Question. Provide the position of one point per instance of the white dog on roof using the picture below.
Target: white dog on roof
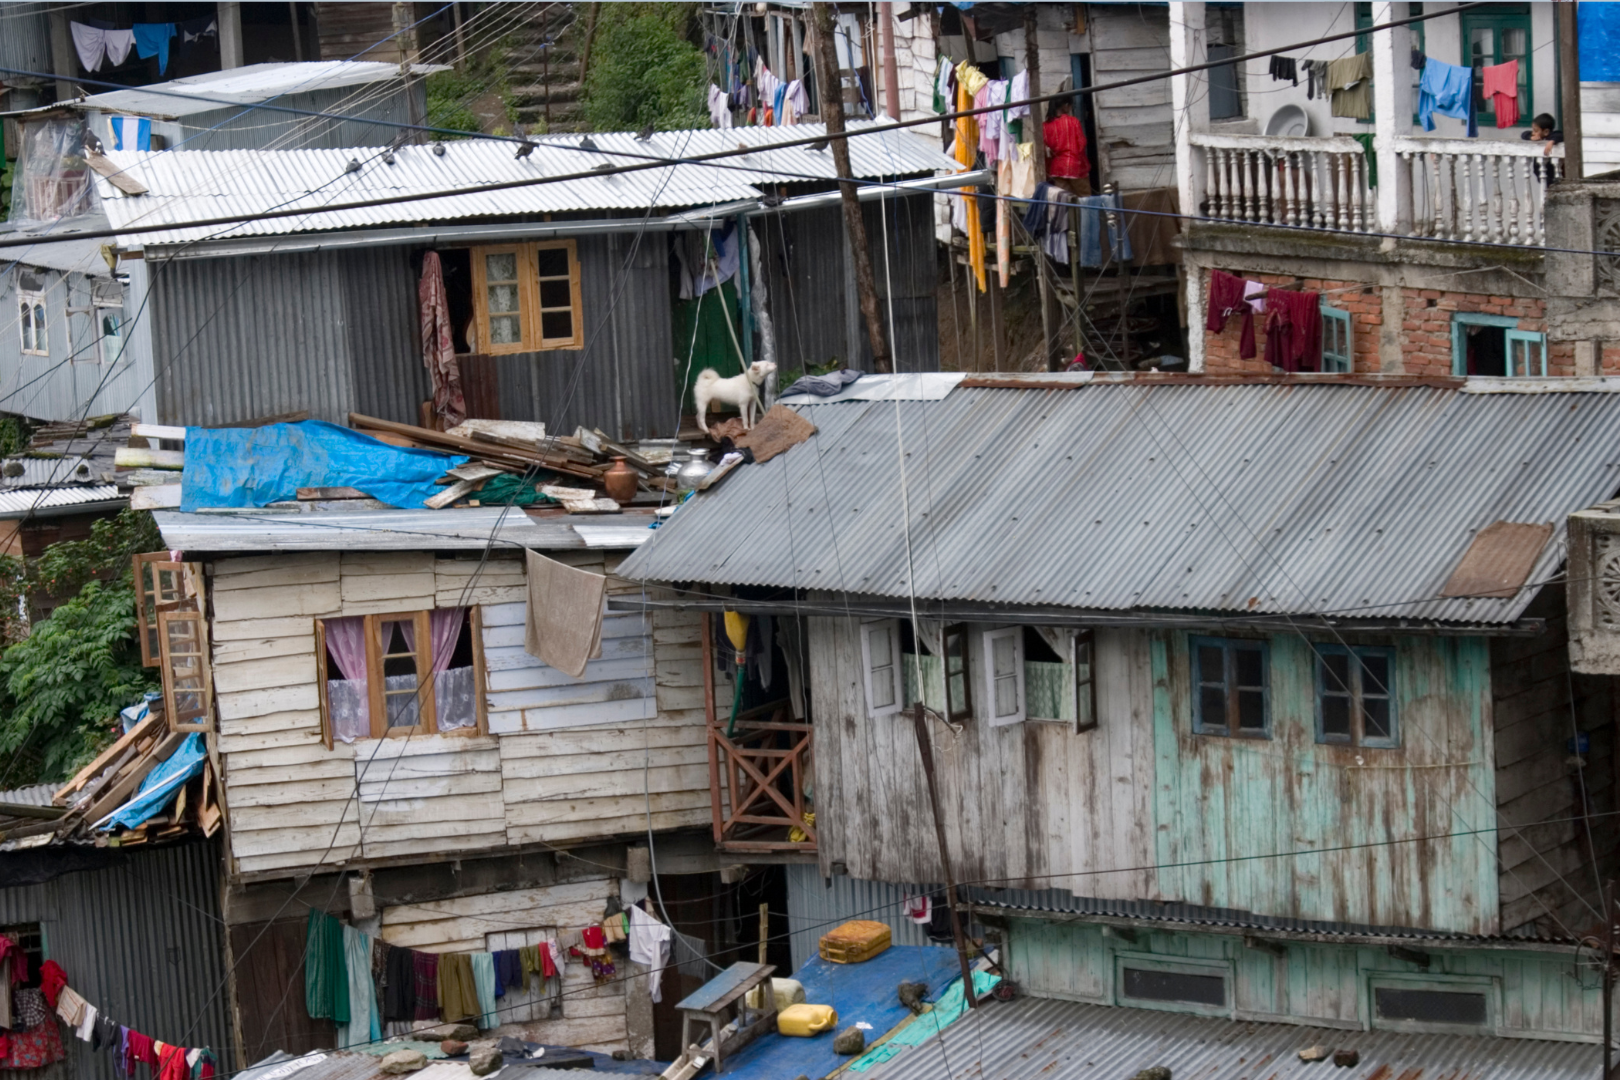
(739, 390)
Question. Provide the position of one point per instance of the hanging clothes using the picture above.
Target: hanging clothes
(795, 102)
(1501, 85)
(152, 39)
(171, 1062)
(649, 945)
(529, 957)
(425, 967)
(1066, 158)
(1294, 330)
(1284, 69)
(942, 85)
(1350, 82)
(482, 969)
(193, 31)
(1315, 78)
(438, 347)
(1226, 299)
(399, 986)
(719, 107)
(1446, 89)
(138, 1049)
(1004, 222)
(130, 132)
(33, 1048)
(364, 1025)
(90, 43)
(1365, 138)
(1097, 231)
(326, 972)
(51, 980)
(967, 137)
(458, 998)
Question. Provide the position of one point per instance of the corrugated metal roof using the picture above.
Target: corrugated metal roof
(467, 529)
(187, 185)
(1058, 1040)
(38, 795)
(31, 501)
(1144, 495)
(36, 472)
(244, 86)
(55, 253)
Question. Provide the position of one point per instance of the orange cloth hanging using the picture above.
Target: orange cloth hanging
(967, 143)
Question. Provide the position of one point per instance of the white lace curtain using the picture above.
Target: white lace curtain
(348, 697)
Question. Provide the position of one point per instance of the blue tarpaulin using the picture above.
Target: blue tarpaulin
(1598, 37)
(160, 785)
(258, 466)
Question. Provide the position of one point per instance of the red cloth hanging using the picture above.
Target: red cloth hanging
(438, 350)
(51, 980)
(1501, 83)
(10, 950)
(1226, 300)
(172, 1063)
(1294, 330)
(141, 1049)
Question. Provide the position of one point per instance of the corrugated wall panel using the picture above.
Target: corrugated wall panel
(25, 43)
(379, 288)
(241, 337)
(70, 382)
(623, 381)
(239, 128)
(804, 257)
(142, 941)
(814, 907)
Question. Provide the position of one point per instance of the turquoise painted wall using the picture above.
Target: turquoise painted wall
(1216, 798)
(1538, 993)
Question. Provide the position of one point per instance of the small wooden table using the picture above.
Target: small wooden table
(716, 1001)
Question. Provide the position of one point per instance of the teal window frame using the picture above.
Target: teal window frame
(1533, 343)
(1496, 20)
(1335, 332)
(1159, 964)
(1509, 324)
(1355, 694)
(1230, 725)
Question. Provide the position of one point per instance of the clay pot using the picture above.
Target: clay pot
(620, 481)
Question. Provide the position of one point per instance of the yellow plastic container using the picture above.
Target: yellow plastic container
(806, 1020)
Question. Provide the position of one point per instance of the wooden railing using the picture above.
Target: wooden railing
(759, 772)
(1307, 183)
(1472, 189)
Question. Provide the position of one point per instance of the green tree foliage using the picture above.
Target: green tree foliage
(62, 685)
(645, 70)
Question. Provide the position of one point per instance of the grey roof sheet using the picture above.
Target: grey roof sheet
(248, 85)
(187, 185)
(463, 529)
(29, 501)
(1062, 1040)
(62, 252)
(1151, 495)
(36, 795)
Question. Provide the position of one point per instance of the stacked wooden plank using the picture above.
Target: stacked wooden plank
(114, 777)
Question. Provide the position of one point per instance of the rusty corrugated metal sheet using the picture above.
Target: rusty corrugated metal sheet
(142, 940)
(1060, 1040)
(1120, 495)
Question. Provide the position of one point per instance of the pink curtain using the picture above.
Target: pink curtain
(444, 625)
(438, 348)
(346, 641)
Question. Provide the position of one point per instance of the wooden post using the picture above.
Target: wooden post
(831, 88)
(925, 748)
(1032, 63)
(764, 931)
(1569, 88)
(298, 39)
(891, 69)
(1074, 282)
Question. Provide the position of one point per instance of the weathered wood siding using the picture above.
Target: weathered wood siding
(1038, 806)
(1547, 875)
(1136, 146)
(593, 1017)
(565, 759)
(1539, 994)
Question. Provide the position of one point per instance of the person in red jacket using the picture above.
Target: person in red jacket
(1066, 164)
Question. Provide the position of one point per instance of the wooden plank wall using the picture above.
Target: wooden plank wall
(1136, 145)
(1039, 806)
(593, 1017)
(565, 761)
(1547, 873)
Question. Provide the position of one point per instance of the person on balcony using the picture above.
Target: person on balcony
(1066, 162)
(1543, 129)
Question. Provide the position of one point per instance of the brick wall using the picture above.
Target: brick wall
(1425, 328)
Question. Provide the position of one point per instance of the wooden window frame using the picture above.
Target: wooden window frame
(957, 711)
(988, 644)
(30, 299)
(890, 628)
(1343, 362)
(165, 620)
(150, 601)
(1085, 693)
(1356, 693)
(1229, 726)
(428, 715)
(529, 310)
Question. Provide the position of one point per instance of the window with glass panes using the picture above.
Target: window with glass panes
(1355, 695)
(527, 297)
(1231, 687)
(1495, 36)
(1336, 354)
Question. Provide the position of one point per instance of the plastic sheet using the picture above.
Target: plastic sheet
(243, 467)
(160, 785)
(52, 180)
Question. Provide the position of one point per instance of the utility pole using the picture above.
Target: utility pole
(830, 88)
(1569, 89)
(925, 748)
(1037, 136)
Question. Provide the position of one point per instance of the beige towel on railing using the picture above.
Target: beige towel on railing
(563, 625)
